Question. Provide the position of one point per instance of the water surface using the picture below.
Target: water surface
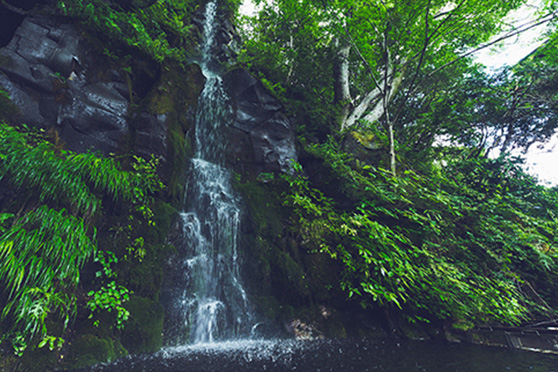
(336, 356)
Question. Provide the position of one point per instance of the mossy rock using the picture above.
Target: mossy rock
(267, 306)
(413, 331)
(164, 215)
(177, 86)
(7, 108)
(323, 279)
(33, 360)
(143, 331)
(8, 362)
(175, 98)
(289, 279)
(334, 328)
(274, 265)
(179, 150)
(361, 324)
(264, 208)
(145, 278)
(87, 350)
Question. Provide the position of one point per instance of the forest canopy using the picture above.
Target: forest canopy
(400, 67)
(417, 195)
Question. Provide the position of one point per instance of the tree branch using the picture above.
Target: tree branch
(542, 21)
(421, 57)
(13, 8)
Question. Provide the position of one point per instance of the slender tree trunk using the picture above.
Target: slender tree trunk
(341, 90)
(391, 145)
(509, 136)
(389, 124)
(386, 96)
(372, 107)
(376, 113)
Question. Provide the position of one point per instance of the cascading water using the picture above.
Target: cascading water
(210, 303)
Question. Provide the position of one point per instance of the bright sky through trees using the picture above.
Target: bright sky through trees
(541, 160)
(512, 50)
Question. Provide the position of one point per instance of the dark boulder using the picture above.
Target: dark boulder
(263, 135)
(57, 82)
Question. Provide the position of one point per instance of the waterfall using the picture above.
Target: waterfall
(209, 302)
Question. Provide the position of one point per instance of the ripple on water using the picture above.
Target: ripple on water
(334, 356)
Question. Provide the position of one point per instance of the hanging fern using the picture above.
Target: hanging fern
(64, 178)
(48, 199)
(41, 254)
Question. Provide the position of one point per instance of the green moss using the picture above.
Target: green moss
(334, 328)
(179, 150)
(289, 277)
(38, 360)
(145, 278)
(463, 325)
(89, 349)
(367, 139)
(413, 331)
(163, 216)
(177, 87)
(143, 331)
(267, 306)
(8, 362)
(104, 329)
(286, 312)
(264, 208)
(7, 108)
(175, 96)
(362, 325)
(323, 280)
(162, 102)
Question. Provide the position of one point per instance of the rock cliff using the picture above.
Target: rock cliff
(61, 81)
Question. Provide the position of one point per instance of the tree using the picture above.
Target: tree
(512, 109)
(375, 50)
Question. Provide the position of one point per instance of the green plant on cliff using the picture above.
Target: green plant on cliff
(160, 29)
(110, 298)
(475, 247)
(50, 201)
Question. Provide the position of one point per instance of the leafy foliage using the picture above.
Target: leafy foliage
(110, 298)
(53, 196)
(454, 234)
(393, 48)
(463, 247)
(512, 109)
(160, 29)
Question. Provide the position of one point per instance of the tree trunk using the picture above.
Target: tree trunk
(341, 90)
(389, 86)
(371, 107)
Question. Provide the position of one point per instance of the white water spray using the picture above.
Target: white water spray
(213, 304)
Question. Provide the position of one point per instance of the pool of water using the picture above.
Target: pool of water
(335, 355)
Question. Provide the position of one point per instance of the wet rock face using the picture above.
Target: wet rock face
(57, 82)
(262, 135)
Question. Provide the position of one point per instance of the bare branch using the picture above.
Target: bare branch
(522, 29)
(13, 8)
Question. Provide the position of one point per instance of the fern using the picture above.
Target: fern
(50, 196)
(160, 30)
